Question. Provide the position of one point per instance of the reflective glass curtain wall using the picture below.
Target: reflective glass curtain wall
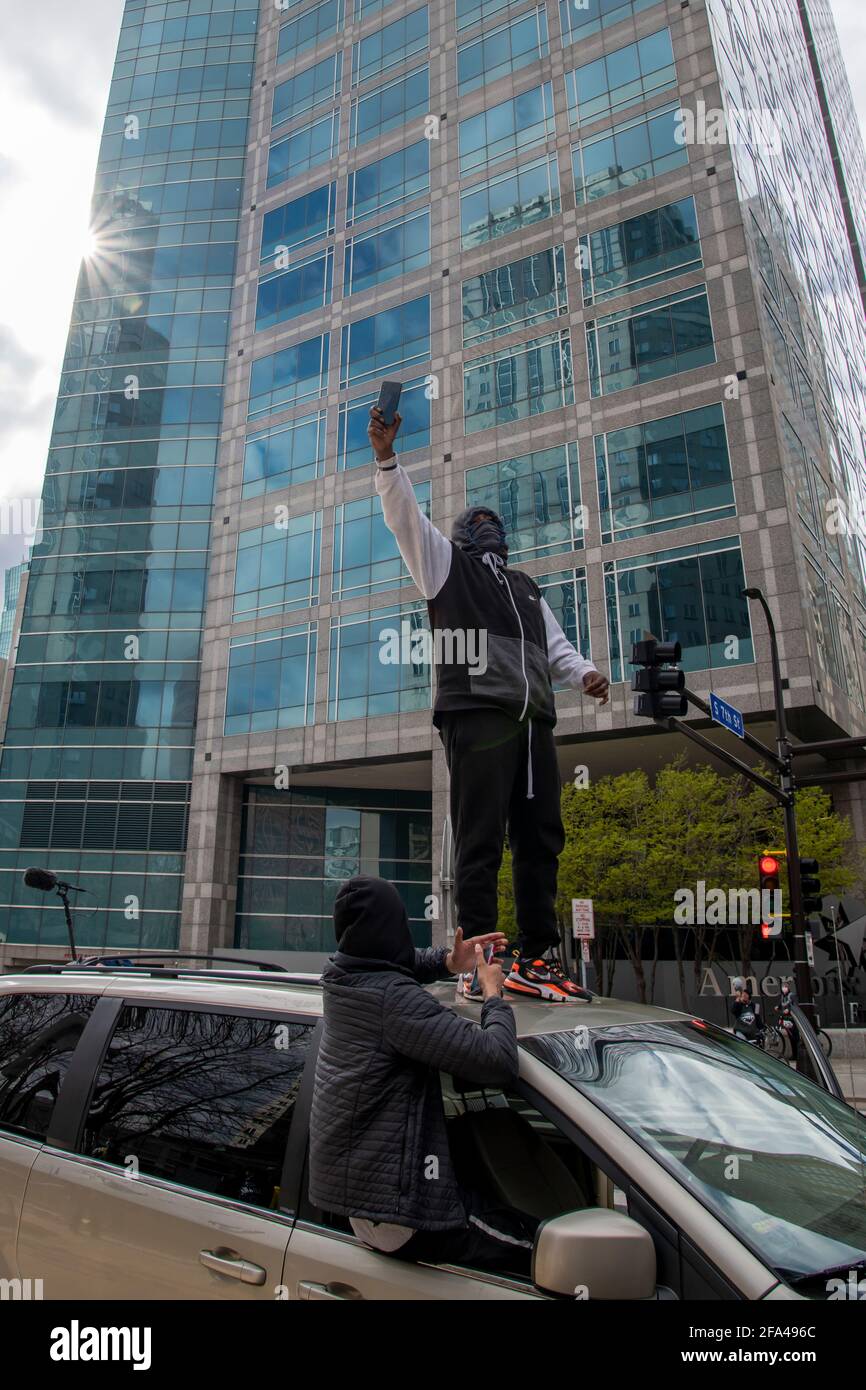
(812, 303)
(97, 762)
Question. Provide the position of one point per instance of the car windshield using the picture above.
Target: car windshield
(780, 1161)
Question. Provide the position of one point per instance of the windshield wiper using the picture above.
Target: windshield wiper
(848, 1268)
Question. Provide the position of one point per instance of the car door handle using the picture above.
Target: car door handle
(230, 1264)
(329, 1291)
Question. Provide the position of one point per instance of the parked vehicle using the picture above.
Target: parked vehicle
(154, 1130)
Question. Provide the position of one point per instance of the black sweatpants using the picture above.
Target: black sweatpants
(494, 1237)
(488, 760)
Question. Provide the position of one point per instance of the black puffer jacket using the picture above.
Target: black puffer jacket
(378, 1120)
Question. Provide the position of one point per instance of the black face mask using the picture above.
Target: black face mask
(487, 535)
(479, 536)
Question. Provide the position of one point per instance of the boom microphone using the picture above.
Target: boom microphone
(46, 881)
(40, 878)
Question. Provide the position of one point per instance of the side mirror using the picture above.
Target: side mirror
(601, 1252)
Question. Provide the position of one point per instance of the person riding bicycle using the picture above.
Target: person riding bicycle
(748, 1023)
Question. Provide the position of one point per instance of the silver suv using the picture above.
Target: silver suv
(154, 1127)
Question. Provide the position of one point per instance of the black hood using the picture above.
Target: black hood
(370, 923)
(492, 537)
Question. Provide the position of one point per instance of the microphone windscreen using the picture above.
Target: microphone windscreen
(40, 878)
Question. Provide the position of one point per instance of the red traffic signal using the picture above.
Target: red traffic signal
(769, 869)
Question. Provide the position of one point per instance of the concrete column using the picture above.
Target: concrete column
(849, 799)
(213, 848)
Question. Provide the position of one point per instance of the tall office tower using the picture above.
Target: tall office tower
(840, 122)
(10, 596)
(10, 590)
(97, 760)
(603, 245)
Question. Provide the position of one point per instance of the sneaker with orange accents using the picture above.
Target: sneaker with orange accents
(470, 987)
(535, 978)
(575, 991)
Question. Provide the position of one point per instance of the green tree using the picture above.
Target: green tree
(631, 843)
(822, 833)
(505, 896)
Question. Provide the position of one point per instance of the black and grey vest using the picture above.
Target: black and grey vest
(489, 641)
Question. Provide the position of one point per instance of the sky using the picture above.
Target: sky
(55, 68)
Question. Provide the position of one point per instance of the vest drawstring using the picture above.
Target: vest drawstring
(494, 563)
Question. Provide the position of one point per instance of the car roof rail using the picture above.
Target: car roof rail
(122, 957)
(146, 963)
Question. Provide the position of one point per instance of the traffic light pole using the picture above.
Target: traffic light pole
(676, 725)
(659, 687)
(784, 761)
(663, 696)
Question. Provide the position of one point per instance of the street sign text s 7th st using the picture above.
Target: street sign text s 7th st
(727, 716)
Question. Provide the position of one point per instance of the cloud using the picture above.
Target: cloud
(38, 41)
(55, 69)
(850, 17)
(10, 171)
(15, 361)
(26, 410)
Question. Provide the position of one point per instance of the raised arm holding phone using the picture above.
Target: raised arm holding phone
(495, 714)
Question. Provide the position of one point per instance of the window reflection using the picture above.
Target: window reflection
(694, 1096)
(201, 1099)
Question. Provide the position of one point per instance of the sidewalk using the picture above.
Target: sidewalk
(853, 1087)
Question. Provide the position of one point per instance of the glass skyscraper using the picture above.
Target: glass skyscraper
(97, 761)
(11, 590)
(610, 247)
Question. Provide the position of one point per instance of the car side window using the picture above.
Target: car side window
(38, 1035)
(504, 1149)
(198, 1098)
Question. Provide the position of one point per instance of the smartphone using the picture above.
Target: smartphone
(389, 399)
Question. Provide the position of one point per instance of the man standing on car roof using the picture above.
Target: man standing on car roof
(495, 716)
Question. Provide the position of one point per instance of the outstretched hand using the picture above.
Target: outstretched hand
(461, 958)
(598, 686)
(382, 436)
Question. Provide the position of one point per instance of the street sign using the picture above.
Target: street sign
(810, 947)
(583, 919)
(584, 951)
(727, 716)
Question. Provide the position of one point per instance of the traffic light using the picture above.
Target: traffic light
(810, 886)
(768, 877)
(768, 873)
(659, 684)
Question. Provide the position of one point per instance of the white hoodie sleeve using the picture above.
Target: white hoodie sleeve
(425, 551)
(567, 666)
